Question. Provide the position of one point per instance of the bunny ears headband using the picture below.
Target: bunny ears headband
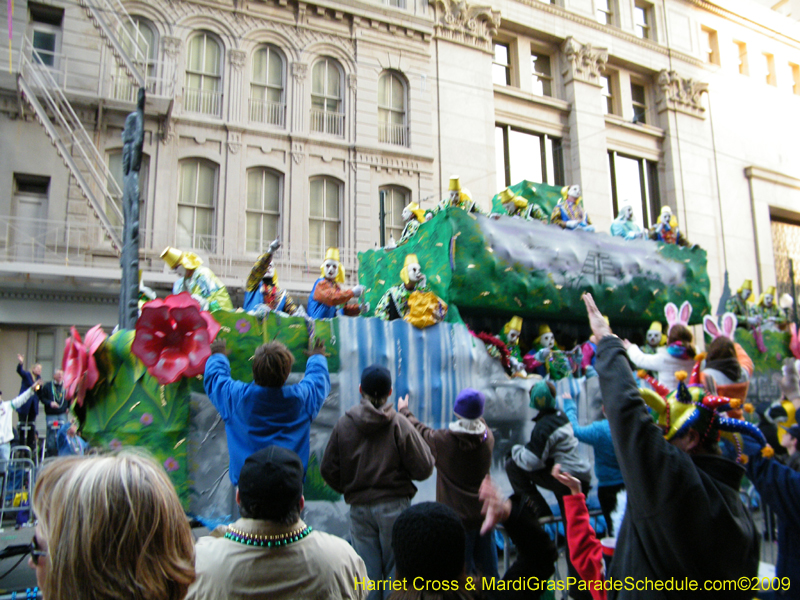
(675, 317)
(728, 326)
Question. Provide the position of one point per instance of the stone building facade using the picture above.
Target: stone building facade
(318, 122)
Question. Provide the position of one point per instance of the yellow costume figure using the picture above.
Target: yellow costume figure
(199, 281)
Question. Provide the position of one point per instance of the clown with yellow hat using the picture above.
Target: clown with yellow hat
(411, 299)
(569, 212)
(328, 295)
(457, 197)
(654, 338)
(264, 295)
(738, 305)
(773, 318)
(545, 358)
(519, 207)
(666, 229)
(413, 216)
(199, 281)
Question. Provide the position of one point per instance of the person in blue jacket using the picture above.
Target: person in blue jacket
(606, 467)
(779, 487)
(267, 412)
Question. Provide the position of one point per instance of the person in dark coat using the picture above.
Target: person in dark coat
(685, 519)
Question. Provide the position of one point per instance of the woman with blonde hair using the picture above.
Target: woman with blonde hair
(110, 527)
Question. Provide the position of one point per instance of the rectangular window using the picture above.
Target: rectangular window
(263, 208)
(501, 65)
(45, 353)
(45, 30)
(711, 43)
(786, 250)
(608, 94)
(643, 20)
(769, 64)
(393, 200)
(635, 180)
(324, 216)
(536, 157)
(541, 74)
(639, 102)
(794, 71)
(27, 236)
(603, 10)
(741, 53)
(196, 204)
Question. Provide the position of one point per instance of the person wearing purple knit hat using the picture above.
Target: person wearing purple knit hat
(463, 455)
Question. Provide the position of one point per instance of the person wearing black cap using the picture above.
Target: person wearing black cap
(789, 441)
(270, 552)
(463, 454)
(373, 455)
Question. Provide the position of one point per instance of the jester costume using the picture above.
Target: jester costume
(262, 290)
(566, 211)
(203, 284)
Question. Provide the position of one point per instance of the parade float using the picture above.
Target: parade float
(144, 387)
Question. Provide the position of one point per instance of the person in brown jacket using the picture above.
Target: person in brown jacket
(373, 456)
(463, 455)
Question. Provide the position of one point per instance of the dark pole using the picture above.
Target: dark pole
(132, 140)
(382, 217)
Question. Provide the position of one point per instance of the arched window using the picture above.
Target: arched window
(203, 92)
(267, 100)
(263, 207)
(392, 124)
(139, 41)
(197, 201)
(394, 199)
(324, 211)
(327, 114)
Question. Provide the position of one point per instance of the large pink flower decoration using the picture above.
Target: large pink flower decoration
(173, 337)
(79, 364)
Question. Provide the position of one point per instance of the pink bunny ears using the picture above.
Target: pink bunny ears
(676, 318)
(728, 326)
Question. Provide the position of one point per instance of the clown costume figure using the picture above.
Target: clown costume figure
(328, 295)
(263, 293)
(739, 306)
(771, 315)
(654, 338)
(569, 212)
(510, 337)
(457, 197)
(624, 226)
(545, 359)
(413, 216)
(413, 293)
(199, 281)
(519, 207)
(666, 229)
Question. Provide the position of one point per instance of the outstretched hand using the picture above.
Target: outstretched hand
(495, 509)
(402, 402)
(316, 346)
(218, 347)
(568, 480)
(598, 324)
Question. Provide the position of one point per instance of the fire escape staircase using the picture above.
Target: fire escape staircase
(38, 86)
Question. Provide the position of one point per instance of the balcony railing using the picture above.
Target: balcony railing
(323, 121)
(269, 113)
(206, 102)
(389, 133)
(160, 77)
(80, 244)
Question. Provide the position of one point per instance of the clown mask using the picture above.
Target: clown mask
(454, 197)
(744, 294)
(574, 192)
(407, 214)
(768, 300)
(331, 269)
(414, 273)
(513, 337)
(666, 217)
(626, 212)
(548, 340)
(653, 338)
(270, 272)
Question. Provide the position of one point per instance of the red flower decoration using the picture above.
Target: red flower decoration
(79, 364)
(173, 337)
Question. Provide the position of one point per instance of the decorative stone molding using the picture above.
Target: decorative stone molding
(237, 59)
(352, 81)
(461, 23)
(298, 152)
(234, 141)
(171, 46)
(167, 130)
(299, 71)
(583, 61)
(681, 94)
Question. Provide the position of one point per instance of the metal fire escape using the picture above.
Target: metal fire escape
(37, 84)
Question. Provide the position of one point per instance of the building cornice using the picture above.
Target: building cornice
(763, 174)
(615, 32)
